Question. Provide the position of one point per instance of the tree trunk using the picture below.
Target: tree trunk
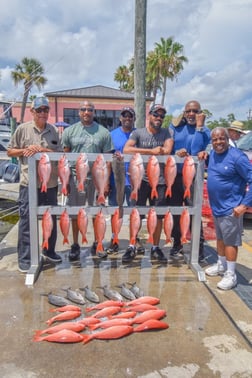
(163, 91)
(24, 102)
(140, 61)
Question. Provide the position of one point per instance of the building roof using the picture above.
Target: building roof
(96, 91)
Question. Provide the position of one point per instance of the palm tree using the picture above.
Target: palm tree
(165, 62)
(30, 71)
(122, 76)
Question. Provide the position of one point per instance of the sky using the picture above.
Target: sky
(81, 43)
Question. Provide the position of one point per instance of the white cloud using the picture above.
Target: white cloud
(81, 43)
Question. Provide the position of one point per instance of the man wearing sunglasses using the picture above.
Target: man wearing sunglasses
(28, 139)
(151, 140)
(89, 137)
(190, 137)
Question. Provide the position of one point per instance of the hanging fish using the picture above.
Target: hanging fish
(44, 171)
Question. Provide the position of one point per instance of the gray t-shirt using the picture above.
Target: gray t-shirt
(144, 139)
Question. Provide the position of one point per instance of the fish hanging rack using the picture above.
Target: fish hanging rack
(36, 211)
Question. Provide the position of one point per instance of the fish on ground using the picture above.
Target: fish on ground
(170, 173)
(64, 174)
(75, 296)
(136, 290)
(140, 307)
(151, 224)
(126, 293)
(65, 226)
(168, 226)
(114, 332)
(63, 336)
(47, 226)
(124, 315)
(44, 171)
(107, 311)
(57, 300)
(65, 308)
(111, 323)
(111, 294)
(136, 173)
(146, 299)
(149, 314)
(73, 326)
(82, 169)
(100, 172)
(89, 320)
(184, 225)
(153, 173)
(66, 315)
(135, 224)
(188, 173)
(104, 304)
(150, 325)
(116, 225)
(90, 295)
(118, 168)
(99, 230)
(82, 223)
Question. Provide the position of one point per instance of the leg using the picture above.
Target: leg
(23, 246)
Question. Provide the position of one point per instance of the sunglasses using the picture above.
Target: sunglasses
(157, 115)
(90, 110)
(40, 110)
(195, 111)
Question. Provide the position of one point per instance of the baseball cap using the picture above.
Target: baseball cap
(39, 101)
(128, 109)
(156, 107)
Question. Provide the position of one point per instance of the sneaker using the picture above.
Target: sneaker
(176, 249)
(74, 254)
(52, 257)
(139, 247)
(113, 247)
(129, 254)
(23, 268)
(102, 255)
(157, 253)
(215, 270)
(228, 281)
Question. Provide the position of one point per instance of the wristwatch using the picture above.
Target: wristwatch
(199, 128)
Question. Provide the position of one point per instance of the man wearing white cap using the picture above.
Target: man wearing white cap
(235, 131)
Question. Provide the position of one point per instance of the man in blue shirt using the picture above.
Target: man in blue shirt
(229, 186)
(190, 137)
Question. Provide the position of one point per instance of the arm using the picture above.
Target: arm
(130, 148)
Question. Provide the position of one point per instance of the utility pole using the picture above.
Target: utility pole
(140, 62)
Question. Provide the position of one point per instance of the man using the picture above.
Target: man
(190, 136)
(119, 136)
(235, 131)
(229, 184)
(90, 137)
(151, 140)
(28, 139)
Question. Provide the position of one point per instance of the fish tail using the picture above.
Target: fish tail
(101, 199)
(133, 240)
(37, 334)
(45, 244)
(99, 247)
(64, 190)
(80, 187)
(84, 239)
(88, 309)
(168, 240)
(93, 327)
(37, 338)
(65, 240)
(43, 188)
(150, 239)
(187, 193)
(168, 193)
(49, 322)
(87, 338)
(154, 193)
(133, 195)
(183, 240)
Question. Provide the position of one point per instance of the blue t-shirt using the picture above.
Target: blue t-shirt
(229, 181)
(119, 138)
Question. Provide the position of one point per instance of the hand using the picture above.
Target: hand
(31, 150)
(200, 119)
(182, 152)
(202, 155)
(239, 210)
(158, 150)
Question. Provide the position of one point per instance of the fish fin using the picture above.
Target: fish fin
(64, 191)
(115, 240)
(43, 188)
(150, 239)
(80, 187)
(101, 199)
(87, 338)
(168, 193)
(133, 195)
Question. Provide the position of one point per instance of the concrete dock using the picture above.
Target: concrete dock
(209, 334)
